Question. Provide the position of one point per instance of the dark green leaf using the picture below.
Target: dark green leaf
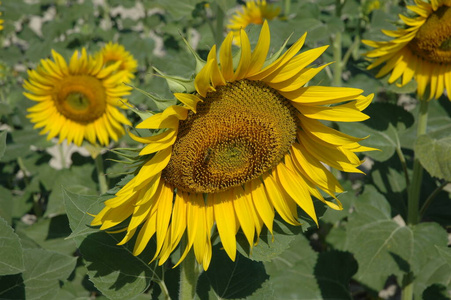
(113, 269)
(2, 143)
(237, 279)
(11, 253)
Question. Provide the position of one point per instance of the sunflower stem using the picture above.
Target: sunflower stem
(101, 174)
(431, 197)
(189, 273)
(287, 7)
(415, 186)
(407, 290)
(62, 155)
(337, 51)
(219, 36)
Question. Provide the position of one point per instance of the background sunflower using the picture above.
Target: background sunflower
(77, 101)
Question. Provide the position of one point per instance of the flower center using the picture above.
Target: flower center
(80, 98)
(433, 39)
(239, 132)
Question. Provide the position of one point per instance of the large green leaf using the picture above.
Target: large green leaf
(231, 280)
(301, 273)
(435, 156)
(113, 269)
(44, 270)
(11, 253)
(384, 246)
(49, 234)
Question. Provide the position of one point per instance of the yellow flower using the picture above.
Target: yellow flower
(255, 12)
(77, 101)
(1, 21)
(113, 53)
(248, 143)
(421, 50)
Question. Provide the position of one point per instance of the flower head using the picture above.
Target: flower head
(254, 12)
(112, 53)
(421, 50)
(1, 21)
(247, 144)
(78, 100)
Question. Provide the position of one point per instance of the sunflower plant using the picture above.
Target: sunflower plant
(243, 149)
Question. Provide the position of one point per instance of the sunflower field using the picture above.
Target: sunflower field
(230, 149)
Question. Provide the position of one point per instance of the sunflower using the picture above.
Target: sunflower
(78, 100)
(112, 53)
(421, 50)
(247, 144)
(1, 21)
(255, 12)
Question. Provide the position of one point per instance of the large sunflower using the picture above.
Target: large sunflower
(421, 50)
(254, 12)
(77, 101)
(112, 53)
(248, 143)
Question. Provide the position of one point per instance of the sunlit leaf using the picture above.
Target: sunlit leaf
(11, 252)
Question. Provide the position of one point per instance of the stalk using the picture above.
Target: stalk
(189, 273)
(101, 174)
(415, 186)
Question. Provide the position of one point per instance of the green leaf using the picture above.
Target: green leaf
(237, 279)
(435, 156)
(50, 234)
(384, 246)
(11, 253)
(77, 180)
(268, 246)
(113, 269)
(2, 144)
(333, 271)
(387, 122)
(44, 270)
(295, 265)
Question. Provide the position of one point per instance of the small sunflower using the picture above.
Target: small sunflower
(1, 21)
(77, 101)
(421, 50)
(112, 53)
(247, 144)
(255, 12)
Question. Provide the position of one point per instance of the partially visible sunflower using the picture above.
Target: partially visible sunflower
(1, 21)
(255, 12)
(421, 50)
(77, 101)
(112, 53)
(248, 143)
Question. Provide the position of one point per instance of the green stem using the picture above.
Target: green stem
(101, 174)
(189, 273)
(219, 31)
(431, 197)
(407, 290)
(337, 52)
(287, 7)
(417, 177)
(63, 158)
(403, 163)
